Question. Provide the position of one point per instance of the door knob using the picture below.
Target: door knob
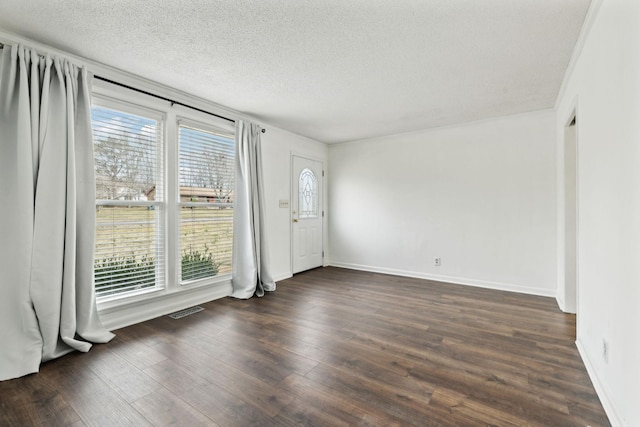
(295, 220)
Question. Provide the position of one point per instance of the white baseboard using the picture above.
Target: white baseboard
(601, 391)
(282, 276)
(449, 279)
(139, 311)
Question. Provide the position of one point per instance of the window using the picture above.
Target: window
(206, 200)
(129, 209)
(308, 197)
(164, 196)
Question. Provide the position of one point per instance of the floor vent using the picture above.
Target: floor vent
(187, 311)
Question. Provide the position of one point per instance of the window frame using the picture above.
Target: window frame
(159, 206)
(204, 127)
(106, 94)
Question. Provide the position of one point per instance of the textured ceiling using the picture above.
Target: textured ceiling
(332, 70)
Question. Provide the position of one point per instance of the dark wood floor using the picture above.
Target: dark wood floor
(329, 347)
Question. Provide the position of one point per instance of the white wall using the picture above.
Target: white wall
(482, 196)
(604, 86)
(277, 147)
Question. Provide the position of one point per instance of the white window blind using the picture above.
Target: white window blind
(206, 162)
(129, 252)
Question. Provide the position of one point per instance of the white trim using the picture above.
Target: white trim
(607, 402)
(450, 279)
(281, 277)
(128, 203)
(139, 311)
(124, 100)
(589, 20)
(307, 157)
(569, 304)
(207, 124)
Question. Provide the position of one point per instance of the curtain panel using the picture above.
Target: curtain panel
(250, 272)
(47, 214)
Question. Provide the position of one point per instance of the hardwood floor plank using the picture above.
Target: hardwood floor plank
(330, 347)
(174, 377)
(34, 401)
(93, 399)
(469, 412)
(239, 383)
(162, 408)
(327, 408)
(355, 388)
(222, 407)
(134, 351)
(258, 347)
(130, 382)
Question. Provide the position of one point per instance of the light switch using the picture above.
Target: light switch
(284, 204)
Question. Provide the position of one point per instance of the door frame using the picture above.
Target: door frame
(570, 297)
(323, 204)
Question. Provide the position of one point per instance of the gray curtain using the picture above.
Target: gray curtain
(250, 272)
(47, 212)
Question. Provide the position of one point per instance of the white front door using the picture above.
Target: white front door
(306, 214)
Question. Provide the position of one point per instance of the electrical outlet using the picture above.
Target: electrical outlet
(437, 262)
(605, 350)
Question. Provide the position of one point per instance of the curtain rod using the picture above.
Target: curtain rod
(173, 102)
